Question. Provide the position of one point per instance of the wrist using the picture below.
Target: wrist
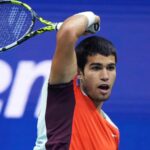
(90, 17)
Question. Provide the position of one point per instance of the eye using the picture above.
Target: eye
(96, 68)
(111, 67)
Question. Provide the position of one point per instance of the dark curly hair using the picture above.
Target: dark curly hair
(91, 46)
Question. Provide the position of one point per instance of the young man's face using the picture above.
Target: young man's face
(98, 77)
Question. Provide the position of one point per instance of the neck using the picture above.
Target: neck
(97, 104)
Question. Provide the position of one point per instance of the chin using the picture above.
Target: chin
(104, 98)
(100, 98)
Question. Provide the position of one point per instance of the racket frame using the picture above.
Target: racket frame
(29, 33)
(49, 26)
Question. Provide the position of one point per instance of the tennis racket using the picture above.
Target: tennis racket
(17, 21)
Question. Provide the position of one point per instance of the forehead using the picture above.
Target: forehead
(101, 59)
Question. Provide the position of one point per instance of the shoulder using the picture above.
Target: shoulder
(109, 120)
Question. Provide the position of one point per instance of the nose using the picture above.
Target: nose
(104, 75)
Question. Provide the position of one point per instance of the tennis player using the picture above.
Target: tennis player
(80, 81)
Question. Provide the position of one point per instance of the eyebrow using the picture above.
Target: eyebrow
(100, 64)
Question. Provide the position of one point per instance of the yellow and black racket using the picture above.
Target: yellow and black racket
(17, 20)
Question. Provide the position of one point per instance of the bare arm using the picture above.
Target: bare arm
(64, 63)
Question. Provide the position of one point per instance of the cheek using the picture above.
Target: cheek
(113, 77)
(91, 82)
(88, 81)
(91, 79)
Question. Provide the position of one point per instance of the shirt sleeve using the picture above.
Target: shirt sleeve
(59, 115)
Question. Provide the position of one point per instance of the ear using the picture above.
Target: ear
(79, 74)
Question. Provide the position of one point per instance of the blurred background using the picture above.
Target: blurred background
(24, 69)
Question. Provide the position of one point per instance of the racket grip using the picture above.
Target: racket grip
(92, 29)
(58, 25)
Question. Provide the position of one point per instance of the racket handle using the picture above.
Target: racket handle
(92, 29)
(58, 25)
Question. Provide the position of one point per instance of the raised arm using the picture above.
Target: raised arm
(64, 63)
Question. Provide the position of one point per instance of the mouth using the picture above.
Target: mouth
(104, 88)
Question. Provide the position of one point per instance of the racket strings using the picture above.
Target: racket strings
(15, 21)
